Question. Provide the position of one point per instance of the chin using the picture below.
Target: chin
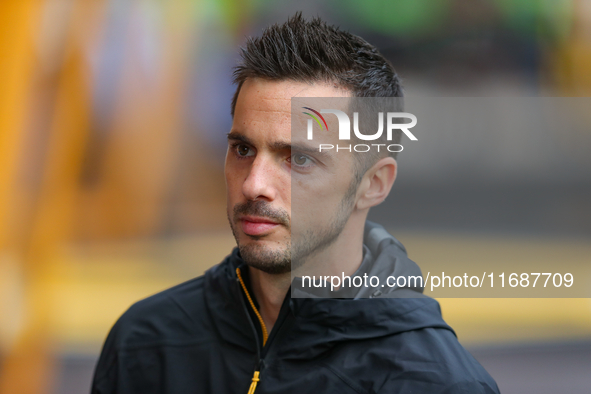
(266, 259)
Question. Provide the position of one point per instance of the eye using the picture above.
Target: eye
(301, 160)
(243, 150)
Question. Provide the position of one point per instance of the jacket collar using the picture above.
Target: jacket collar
(317, 324)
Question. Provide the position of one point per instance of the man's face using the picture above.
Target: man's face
(262, 164)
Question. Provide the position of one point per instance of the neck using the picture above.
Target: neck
(343, 256)
(270, 291)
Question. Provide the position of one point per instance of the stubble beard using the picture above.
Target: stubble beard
(315, 240)
(285, 258)
(255, 254)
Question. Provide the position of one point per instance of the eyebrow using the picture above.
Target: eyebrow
(234, 135)
(278, 145)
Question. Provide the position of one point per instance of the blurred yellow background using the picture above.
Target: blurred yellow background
(113, 116)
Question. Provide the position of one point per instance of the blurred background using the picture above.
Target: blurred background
(113, 115)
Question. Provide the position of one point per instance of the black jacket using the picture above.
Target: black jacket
(203, 337)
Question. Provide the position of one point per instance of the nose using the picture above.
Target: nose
(260, 182)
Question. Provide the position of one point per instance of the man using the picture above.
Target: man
(239, 328)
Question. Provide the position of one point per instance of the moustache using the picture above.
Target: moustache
(261, 208)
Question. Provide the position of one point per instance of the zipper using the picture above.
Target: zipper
(261, 351)
(255, 380)
(255, 377)
(256, 312)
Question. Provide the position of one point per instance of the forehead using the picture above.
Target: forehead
(263, 107)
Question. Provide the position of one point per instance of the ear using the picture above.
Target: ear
(376, 183)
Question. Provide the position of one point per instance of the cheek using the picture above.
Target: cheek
(286, 185)
(316, 200)
(233, 183)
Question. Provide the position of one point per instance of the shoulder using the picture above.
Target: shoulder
(172, 319)
(180, 315)
(426, 360)
(420, 352)
(171, 315)
(434, 358)
(162, 319)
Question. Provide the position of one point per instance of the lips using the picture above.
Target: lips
(252, 225)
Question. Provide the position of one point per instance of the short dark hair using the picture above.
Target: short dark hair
(314, 51)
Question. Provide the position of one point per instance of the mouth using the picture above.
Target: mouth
(256, 225)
